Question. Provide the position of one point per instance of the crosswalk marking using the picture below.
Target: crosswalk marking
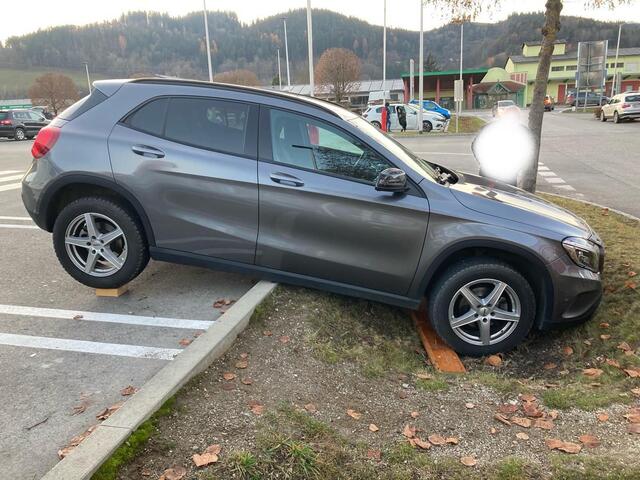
(10, 186)
(83, 346)
(10, 178)
(8, 225)
(105, 317)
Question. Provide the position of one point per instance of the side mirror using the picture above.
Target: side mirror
(392, 180)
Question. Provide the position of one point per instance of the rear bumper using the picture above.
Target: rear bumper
(634, 114)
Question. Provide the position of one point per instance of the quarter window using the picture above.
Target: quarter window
(208, 123)
(302, 142)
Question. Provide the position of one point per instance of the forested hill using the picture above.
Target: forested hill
(144, 43)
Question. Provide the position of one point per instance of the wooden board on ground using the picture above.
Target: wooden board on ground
(112, 292)
(443, 358)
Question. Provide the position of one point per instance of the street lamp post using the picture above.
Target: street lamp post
(286, 51)
(279, 73)
(384, 55)
(310, 46)
(86, 67)
(614, 84)
(460, 102)
(421, 70)
(206, 34)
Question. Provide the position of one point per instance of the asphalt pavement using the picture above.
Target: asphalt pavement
(62, 347)
(580, 157)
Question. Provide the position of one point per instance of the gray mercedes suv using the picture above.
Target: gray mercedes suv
(302, 191)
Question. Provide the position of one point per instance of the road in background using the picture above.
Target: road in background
(580, 157)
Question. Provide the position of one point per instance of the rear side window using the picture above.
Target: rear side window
(83, 105)
(208, 123)
(633, 98)
(150, 117)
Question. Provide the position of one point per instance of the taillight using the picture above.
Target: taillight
(626, 105)
(46, 139)
(5, 122)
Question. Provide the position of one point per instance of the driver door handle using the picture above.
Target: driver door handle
(286, 179)
(146, 151)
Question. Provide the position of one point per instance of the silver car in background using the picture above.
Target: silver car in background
(624, 106)
(302, 191)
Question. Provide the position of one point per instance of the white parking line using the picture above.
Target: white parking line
(7, 172)
(10, 178)
(82, 346)
(10, 186)
(554, 180)
(547, 173)
(20, 219)
(105, 317)
(9, 225)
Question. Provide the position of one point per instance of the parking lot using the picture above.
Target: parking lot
(67, 354)
(62, 347)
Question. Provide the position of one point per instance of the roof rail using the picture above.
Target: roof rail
(313, 101)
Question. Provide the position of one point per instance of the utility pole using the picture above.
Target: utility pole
(286, 50)
(310, 45)
(614, 84)
(411, 69)
(460, 103)
(279, 73)
(86, 67)
(206, 33)
(420, 72)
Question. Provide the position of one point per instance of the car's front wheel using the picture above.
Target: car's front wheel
(19, 135)
(482, 306)
(603, 117)
(616, 118)
(99, 242)
(427, 126)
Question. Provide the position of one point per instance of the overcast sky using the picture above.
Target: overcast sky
(25, 17)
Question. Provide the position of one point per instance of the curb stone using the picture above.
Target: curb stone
(98, 447)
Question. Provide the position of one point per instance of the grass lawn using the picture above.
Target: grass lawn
(321, 386)
(13, 78)
(466, 124)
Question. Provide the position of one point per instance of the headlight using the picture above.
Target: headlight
(584, 253)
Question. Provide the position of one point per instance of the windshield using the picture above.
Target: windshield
(419, 165)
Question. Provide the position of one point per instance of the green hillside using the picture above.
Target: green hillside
(14, 82)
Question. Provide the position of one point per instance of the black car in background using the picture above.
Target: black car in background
(593, 99)
(21, 124)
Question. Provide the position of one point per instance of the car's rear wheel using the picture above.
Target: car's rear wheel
(616, 118)
(426, 126)
(482, 306)
(19, 134)
(100, 243)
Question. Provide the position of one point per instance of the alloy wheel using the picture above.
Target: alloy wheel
(20, 134)
(96, 244)
(484, 311)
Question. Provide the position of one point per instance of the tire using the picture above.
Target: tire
(129, 250)
(426, 126)
(376, 124)
(481, 276)
(603, 117)
(19, 135)
(616, 118)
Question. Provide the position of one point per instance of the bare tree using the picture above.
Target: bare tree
(238, 77)
(338, 70)
(54, 90)
(471, 8)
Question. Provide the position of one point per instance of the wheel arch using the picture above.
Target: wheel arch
(73, 186)
(527, 263)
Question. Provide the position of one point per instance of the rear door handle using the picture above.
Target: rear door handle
(286, 179)
(147, 151)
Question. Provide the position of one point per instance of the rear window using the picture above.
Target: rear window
(83, 105)
(632, 98)
(150, 117)
(208, 123)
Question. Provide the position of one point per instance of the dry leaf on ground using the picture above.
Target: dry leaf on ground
(549, 366)
(522, 436)
(409, 431)
(436, 439)
(531, 409)
(176, 472)
(602, 417)
(507, 409)
(78, 409)
(353, 414)
(311, 408)
(452, 440)
(228, 376)
(267, 333)
(242, 364)
(284, 339)
(592, 372)
(256, 407)
(567, 351)
(373, 427)
(633, 428)
(589, 441)
(624, 346)
(521, 421)
(469, 405)
(543, 424)
(468, 461)
(374, 454)
(75, 441)
(107, 412)
(424, 376)
(420, 443)
(568, 447)
(414, 414)
(502, 418)
(493, 360)
(129, 390)
(185, 342)
(632, 372)
(247, 381)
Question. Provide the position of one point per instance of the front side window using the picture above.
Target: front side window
(300, 141)
(208, 123)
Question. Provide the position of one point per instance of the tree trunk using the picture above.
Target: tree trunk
(527, 178)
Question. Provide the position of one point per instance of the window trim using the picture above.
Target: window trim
(265, 149)
(251, 140)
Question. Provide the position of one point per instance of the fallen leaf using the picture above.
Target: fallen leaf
(75, 441)
(632, 417)
(228, 376)
(602, 417)
(521, 421)
(468, 461)
(311, 408)
(605, 337)
(632, 273)
(373, 427)
(284, 339)
(246, 381)
(589, 441)
(493, 430)
(145, 472)
(604, 325)
(549, 366)
(568, 447)
(632, 372)
(436, 439)
(522, 436)
(567, 351)
(353, 414)
(469, 405)
(228, 386)
(633, 428)
(267, 333)
(553, 414)
(107, 412)
(507, 408)
(223, 302)
(209, 456)
(78, 409)
(414, 414)
(624, 346)
(409, 431)
(185, 342)
(612, 363)
(630, 284)
(256, 408)
(242, 364)
(527, 397)
(197, 334)
(176, 472)
(78, 317)
(543, 424)
(452, 440)
(129, 390)
(636, 391)
(424, 376)
(592, 372)
(244, 355)
(531, 409)
(493, 360)
(420, 443)
(374, 454)
(502, 418)
(587, 342)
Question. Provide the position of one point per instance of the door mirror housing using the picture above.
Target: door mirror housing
(392, 180)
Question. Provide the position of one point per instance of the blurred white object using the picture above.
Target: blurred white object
(505, 107)
(504, 148)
